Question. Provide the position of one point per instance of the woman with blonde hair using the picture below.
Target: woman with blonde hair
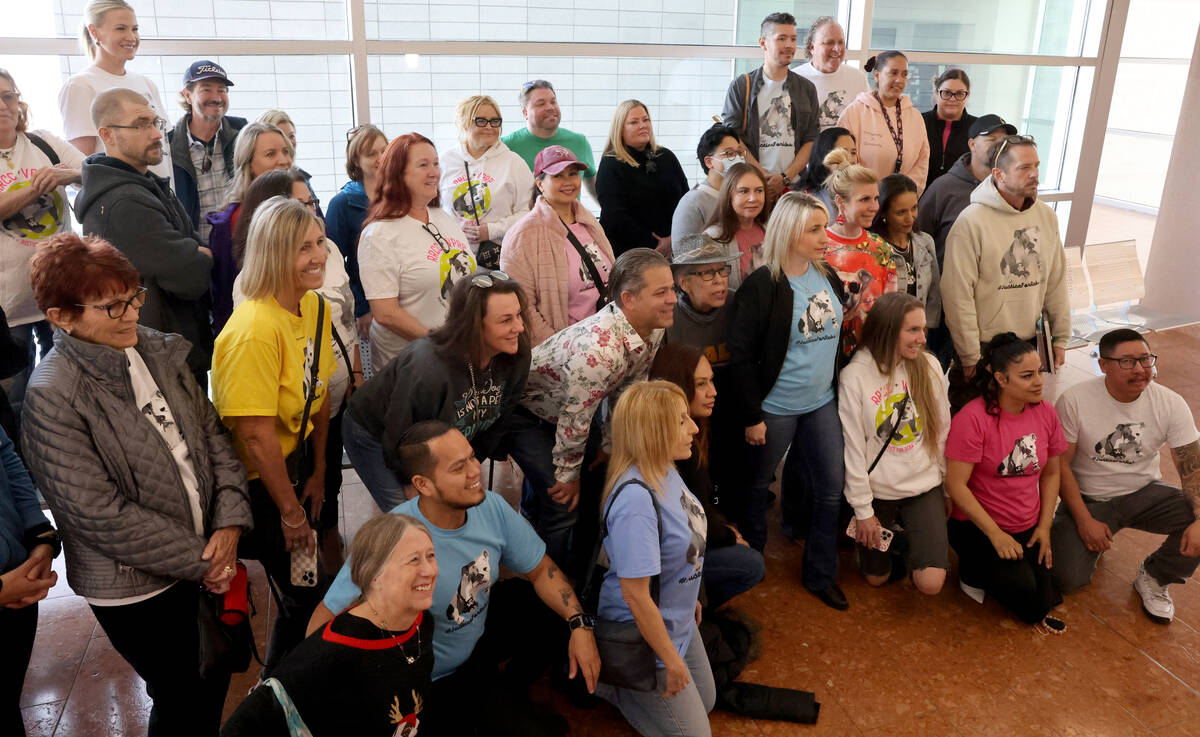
(638, 183)
(861, 259)
(655, 546)
(258, 149)
(783, 344)
(367, 671)
(485, 184)
(739, 220)
(895, 416)
(272, 365)
(110, 39)
(283, 122)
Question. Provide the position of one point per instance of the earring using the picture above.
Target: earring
(840, 219)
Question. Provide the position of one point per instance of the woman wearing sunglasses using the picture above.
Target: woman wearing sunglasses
(411, 252)
(484, 183)
(141, 475)
(470, 372)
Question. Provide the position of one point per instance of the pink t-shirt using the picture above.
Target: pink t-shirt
(581, 291)
(749, 242)
(945, 132)
(1009, 453)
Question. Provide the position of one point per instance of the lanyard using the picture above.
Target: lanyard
(897, 131)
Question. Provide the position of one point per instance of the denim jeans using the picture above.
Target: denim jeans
(731, 570)
(683, 715)
(531, 446)
(815, 463)
(366, 453)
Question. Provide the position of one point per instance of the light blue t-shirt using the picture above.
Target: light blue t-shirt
(469, 561)
(805, 382)
(634, 551)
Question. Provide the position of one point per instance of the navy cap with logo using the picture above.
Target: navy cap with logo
(205, 69)
(985, 124)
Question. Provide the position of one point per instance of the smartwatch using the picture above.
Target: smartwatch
(586, 621)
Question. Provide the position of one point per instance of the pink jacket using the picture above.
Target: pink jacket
(876, 149)
(534, 252)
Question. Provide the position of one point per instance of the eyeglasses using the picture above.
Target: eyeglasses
(710, 274)
(949, 95)
(1015, 140)
(432, 230)
(206, 164)
(10, 98)
(484, 122)
(490, 279)
(1146, 361)
(142, 126)
(116, 310)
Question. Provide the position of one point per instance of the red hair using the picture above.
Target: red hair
(393, 199)
(68, 271)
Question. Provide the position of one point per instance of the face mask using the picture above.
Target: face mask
(731, 161)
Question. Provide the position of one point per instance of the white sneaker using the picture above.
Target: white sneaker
(1156, 601)
(976, 594)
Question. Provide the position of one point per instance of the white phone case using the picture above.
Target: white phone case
(304, 565)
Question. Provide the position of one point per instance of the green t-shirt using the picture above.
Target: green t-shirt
(527, 146)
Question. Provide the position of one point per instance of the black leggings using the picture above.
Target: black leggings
(19, 627)
(1024, 586)
(160, 639)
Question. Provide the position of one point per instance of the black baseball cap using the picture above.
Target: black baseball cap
(988, 123)
(205, 69)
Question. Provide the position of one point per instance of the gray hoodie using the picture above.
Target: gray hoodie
(1004, 267)
(942, 203)
(142, 218)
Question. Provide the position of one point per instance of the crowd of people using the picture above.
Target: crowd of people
(873, 309)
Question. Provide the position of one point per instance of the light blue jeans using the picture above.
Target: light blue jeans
(683, 715)
(366, 453)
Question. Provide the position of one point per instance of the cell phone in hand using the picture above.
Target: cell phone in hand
(304, 565)
(885, 535)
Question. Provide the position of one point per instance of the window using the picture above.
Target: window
(255, 19)
(993, 26)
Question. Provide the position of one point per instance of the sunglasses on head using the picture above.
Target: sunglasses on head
(490, 279)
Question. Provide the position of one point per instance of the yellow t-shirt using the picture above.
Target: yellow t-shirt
(262, 362)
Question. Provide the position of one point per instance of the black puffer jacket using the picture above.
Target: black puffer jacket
(111, 481)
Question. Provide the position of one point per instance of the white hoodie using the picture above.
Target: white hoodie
(501, 181)
(867, 402)
(1003, 267)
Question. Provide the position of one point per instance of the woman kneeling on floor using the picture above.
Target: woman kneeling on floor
(1002, 473)
(895, 418)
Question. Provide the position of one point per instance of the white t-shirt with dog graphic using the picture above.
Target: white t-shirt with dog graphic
(1117, 443)
(835, 90)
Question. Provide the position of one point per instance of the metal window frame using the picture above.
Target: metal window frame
(1086, 136)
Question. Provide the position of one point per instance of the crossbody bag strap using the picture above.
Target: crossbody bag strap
(44, 147)
(746, 106)
(897, 409)
(654, 580)
(588, 263)
(316, 364)
(337, 338)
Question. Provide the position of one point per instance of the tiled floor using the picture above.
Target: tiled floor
(896, 664)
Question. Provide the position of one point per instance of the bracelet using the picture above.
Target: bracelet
(297, 526)
(357, 373)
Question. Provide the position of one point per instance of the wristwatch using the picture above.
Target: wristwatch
(586, 621)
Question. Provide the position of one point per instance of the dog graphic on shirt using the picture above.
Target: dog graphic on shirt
(1022, 259)
(831, 109)
(1022, 460)
(476, 580)
(1122, 444)
(774, 121)
(820, 309)
(697, 526)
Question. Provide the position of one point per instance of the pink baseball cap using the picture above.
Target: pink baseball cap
(554, 159)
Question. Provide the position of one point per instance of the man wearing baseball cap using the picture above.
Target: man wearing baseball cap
(949, 195)
(202, 142)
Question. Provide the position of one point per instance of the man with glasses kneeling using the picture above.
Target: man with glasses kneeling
(1111, 477)
(133, 209)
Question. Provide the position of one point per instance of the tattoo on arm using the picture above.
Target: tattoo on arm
(569, 602)
(551, 570)
(1187, 462)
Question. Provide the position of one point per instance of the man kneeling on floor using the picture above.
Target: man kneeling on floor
(1111, 478)
(481, 623)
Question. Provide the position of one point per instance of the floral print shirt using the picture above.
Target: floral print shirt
(576, 369)
(868, 271)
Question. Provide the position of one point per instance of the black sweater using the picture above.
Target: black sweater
(635, 202)
(758, 337)
(419, 384)
(347, 678)
(940, 161)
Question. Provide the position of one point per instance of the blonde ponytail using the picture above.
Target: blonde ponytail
(93, 14)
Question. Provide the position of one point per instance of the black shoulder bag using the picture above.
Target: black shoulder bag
(590, 265)
(487, 255)
(626, 659)
(898, 415)
(300, 462)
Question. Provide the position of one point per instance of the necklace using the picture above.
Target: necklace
(388, 628)
(897, 131)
